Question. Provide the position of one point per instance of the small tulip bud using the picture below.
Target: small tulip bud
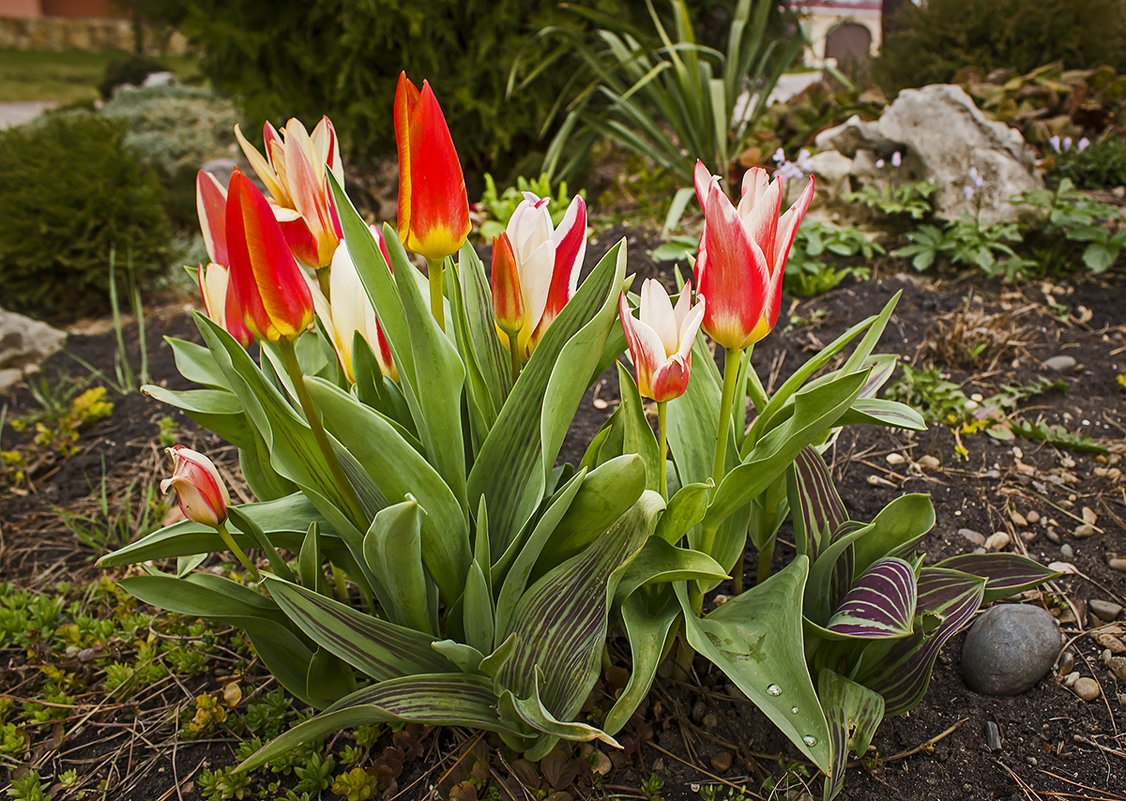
(202, 495)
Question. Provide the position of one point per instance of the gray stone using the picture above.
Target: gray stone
(941, 134)
(1105, 610)
(1009, 649)
(24, 344)
(1060, 364)
(163, 78)
(973, 536)
(1067, 552)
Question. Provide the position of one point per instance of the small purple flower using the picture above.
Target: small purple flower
(1054, 141)
(896, 159)
(969, 192)
(779, 156)
(975, 178)
(1083, 144)
(805, 161)
(1067, 143)
(879, 164)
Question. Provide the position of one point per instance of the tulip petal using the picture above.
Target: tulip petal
(310, 195)
(645, 347)
(262, 166)
(570, 249)
(760, 216)
(690, 325)
(211, 205)
(670, 380)
(508, 305)
(406, 101)
(703, 181)
(788, 227)
(657, 312)
(327, 148)
(270, 289)
(735, 281)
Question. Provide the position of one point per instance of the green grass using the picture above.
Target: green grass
(66, 77)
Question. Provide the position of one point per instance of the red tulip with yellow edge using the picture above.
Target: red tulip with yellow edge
(271, 293)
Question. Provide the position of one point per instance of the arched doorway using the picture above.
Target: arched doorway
(849, 44)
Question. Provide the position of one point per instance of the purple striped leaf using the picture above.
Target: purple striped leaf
(853, 713)
(1005, 574)
(947, 599)
(532, 712)
(818, 509)
(380, 649)
(883, 365)
(560, 622)
(439, 699)
(881, 603)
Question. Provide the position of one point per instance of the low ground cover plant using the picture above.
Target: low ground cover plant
(415, 554)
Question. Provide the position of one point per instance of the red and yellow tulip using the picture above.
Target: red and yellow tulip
(294, 172)
(200, 490)
(271, 294)
(433, 204)
(545, 267)
(743, 253)
(211, 203)
(351, 311)
(660, 339)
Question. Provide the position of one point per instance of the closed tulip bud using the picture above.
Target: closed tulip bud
(433, 204)
(660, 340)
(199, 488)
(270, 292)
(351, 311)
(742, 257)
(508, 307)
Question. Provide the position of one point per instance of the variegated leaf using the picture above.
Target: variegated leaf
(947, 599)
(818, 509)
(453, 699)
(1005, 574)
(853, 713)
(880, 604)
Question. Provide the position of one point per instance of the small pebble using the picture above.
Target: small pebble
(1083, 531)
(929, 462)
(1089, 516)
(1033, 516)
(973, 536)
(1117, 665)
(992, 736)
(1067, 552)
(1070, 679)
(1104, 610)
(1060, 363)
(1087, 688)
(1118, 563)
(710, 721)
(1009, 648)
(1114, 645)
(1065, 663)
(721, 762)
(1018, 519)
(997, 541)
(1053, 536)
(895, 458)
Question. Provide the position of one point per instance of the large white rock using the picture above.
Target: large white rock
(24, 343)
(941, 134)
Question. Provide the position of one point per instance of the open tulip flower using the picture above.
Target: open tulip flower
(294, 171)
(271, 294)
(660, 341)
(351, 311)
(743, 253)
(547, 261)
(199, 488)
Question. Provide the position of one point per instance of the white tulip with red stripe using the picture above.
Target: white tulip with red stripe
(660, 341)
(199, 487)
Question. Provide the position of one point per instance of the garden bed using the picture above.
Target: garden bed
(690, 733)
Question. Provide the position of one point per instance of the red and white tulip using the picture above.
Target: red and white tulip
(660, 339)
(200, 490)
(743, 252)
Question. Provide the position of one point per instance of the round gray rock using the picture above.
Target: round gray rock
(1009, 649)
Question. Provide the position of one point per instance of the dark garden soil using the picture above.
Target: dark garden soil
(700, 732)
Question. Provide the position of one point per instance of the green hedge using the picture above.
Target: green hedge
(342, 58)
(931, 43)
(72, 190)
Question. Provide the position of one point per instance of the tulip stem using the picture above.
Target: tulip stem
(355, 508)
(513, 338)
(732, 357)
(434, 269)
(662, 449)
(239, 553)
